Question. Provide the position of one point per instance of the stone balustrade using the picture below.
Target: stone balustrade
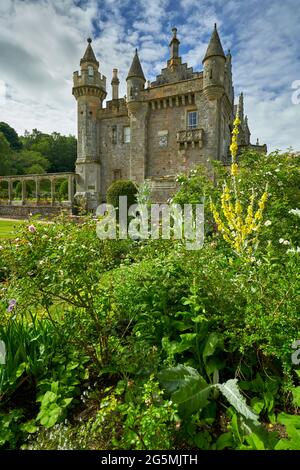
(190, 136)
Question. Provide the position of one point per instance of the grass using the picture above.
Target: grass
(7, 228)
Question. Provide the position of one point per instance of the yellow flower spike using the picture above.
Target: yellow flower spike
(234, 169)
(237, 229)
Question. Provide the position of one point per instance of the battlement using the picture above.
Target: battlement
(84, 79)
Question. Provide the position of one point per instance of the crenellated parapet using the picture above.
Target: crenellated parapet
(85, 84)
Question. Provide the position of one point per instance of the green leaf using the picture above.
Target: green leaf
(296, 396)
(174, 377)
(224, 441)
(48, 398)
(231, 391)
(29, 427)
(192, 395)
(257, 405)
(49, 417)
(214, 341)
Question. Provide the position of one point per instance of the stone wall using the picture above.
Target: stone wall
(22, 212)
(114, 152)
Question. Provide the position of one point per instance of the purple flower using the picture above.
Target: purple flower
(11, 305)
(32, 228)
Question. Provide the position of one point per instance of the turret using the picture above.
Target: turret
(115, 85)
(228, 77)
(174, 49)
(89, 90)
(247, 132)
(214, 68)
(240, 109)
(135, 82)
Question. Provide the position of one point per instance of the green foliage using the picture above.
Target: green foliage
(35, 152)
(146, 419)
(11, 136)
(24, 160)
(191, 392)
(5, 154)
(90, 326)
(10, 428)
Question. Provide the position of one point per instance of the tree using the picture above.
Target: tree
(5, 154)
(60, 150)
(23, 161)
(11, 136)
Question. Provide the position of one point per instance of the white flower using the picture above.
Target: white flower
(286, 242)
(268, 223)
(281, 240)
(295, 212)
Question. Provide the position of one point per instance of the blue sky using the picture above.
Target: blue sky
(41, 43)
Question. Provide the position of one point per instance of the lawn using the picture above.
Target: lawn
(7, 228)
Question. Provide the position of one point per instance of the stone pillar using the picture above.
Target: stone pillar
(37, 190)
(10, 196)
(52, 181)
(23, 183)
(71, 189)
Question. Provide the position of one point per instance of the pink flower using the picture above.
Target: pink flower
(32, 228)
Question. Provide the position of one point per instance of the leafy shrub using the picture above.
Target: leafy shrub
(121, 188)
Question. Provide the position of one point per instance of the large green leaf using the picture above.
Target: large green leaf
(213, 342)
(174, 377)
(192, 395)
(231, 391)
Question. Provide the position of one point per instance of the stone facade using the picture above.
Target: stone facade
(182, 119)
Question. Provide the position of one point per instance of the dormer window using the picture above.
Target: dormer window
(90, 71)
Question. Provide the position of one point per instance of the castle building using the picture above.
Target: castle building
(181, 120)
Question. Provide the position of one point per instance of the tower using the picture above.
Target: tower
(214, 68)
(135, 83)
(115, 85)
(89, 89)
(214, 88)
(138, 113)
(174, 48)
(247, 132)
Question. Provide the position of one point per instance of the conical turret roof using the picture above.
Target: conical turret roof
(136, 68)
(89, 55)
(215, 47)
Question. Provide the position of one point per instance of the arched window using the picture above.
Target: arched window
(90, 71)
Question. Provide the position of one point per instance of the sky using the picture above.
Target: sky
(42, 41)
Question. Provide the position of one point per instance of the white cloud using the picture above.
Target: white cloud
(41, 44)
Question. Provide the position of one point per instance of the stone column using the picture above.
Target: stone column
(37, 190)
(10, 196)
(23, 183)
(71, 189)
(52, 181)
